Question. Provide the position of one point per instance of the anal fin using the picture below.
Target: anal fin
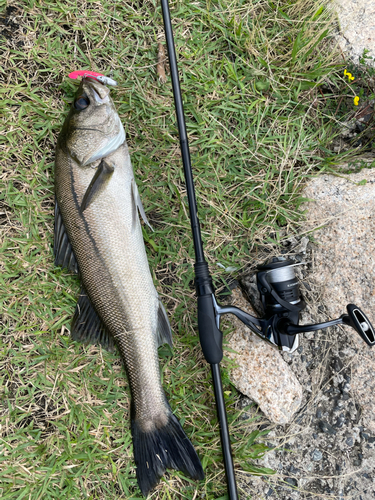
(62, 249)
(138, 205)
(88, 327)
(164, 333)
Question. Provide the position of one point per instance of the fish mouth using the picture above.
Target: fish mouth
(100, 92)
(97, 96)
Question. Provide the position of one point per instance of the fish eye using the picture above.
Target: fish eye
(81, 102)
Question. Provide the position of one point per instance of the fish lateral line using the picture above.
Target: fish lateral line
(101, 177)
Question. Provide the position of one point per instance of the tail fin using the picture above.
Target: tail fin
(159, 449)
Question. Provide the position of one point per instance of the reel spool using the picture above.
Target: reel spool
(281, 299)
(279, 287)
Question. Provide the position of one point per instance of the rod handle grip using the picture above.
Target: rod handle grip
(211, 338)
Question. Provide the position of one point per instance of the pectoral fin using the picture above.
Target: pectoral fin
(138, 204)
(102, 175)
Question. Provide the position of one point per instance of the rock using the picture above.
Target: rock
(301, 248)
(249, 286)
(261, 373)
(291, 481)
(357, 33)
(344, 264)
(326, 427)
(349, 441)
(316, 455)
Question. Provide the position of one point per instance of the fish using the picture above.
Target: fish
(98, 235)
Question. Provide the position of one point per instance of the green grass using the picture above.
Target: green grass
(259, 126)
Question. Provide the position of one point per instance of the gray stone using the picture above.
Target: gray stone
(316, 455)
(349, 441)
(291, 481)
(261, 373)
(344, 264)
(326, 427)
(357, 31)
(301, 248)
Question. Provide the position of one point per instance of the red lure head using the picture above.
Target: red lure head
(105, 80)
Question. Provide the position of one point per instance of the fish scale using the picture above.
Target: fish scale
(97, 206)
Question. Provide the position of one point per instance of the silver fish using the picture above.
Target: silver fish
(98, 235)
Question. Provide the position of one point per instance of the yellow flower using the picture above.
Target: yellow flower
(356, 100)
(349, 75)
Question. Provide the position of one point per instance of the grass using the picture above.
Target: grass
(261, 86)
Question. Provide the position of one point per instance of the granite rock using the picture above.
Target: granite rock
(344, 261)
(261, 373)
(357, 28)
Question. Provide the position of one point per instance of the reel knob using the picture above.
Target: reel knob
(358, 320)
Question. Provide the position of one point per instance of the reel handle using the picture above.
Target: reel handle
(358, 320)
(355, 318)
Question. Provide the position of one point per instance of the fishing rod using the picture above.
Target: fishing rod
(209, 333)
(276, 281)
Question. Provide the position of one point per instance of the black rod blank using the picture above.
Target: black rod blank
(198, 247)
(224, 432)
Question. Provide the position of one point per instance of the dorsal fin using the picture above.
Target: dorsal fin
(62, 249)
(87, 327)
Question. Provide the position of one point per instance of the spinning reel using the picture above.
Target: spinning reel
(282, 303)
